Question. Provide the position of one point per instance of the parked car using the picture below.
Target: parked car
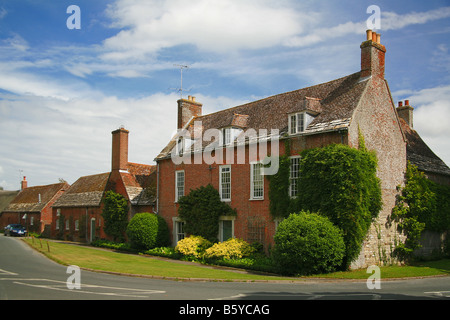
(15, 230)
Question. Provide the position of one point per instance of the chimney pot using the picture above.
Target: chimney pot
(374, 36)
(369, 34)
(378, 38)
(406, 102)
(400, 104)
(24, 183)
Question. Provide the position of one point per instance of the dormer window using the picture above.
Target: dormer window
(180, 146)
(298, 122)
(229, 134)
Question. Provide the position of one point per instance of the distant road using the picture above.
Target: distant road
(27, 275)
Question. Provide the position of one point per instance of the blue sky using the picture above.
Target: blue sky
(63, 91)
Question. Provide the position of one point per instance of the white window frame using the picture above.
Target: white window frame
(298, 122)
(178, 193)
(77, 225)
(227, 136)
(222, 219)
(293, 176)
(177, 233)
(227, 184)
(252, 181)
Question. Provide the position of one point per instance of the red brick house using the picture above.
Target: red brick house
(331, 112)
(32, 207)
(77, 214)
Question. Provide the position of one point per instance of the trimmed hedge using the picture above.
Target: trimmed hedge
(147, 230)
(307, 243)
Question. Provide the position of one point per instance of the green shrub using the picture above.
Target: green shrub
(231, 249)
(147, 230)
(193, 246)
(115, 215)
(341, 183)
(307, 243)
(200, 210)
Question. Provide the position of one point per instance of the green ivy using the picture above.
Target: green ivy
(421, 205)
(200, 210)
(338, 182)
(115, 215)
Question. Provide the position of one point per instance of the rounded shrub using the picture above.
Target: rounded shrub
(193, 246)
(231, 249)
(147, 230)
(307, 243)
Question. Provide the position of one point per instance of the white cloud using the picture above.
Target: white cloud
(393, 21)
(431, 114)
(3, 13)
(223, 26)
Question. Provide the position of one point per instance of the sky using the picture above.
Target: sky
(68, 78)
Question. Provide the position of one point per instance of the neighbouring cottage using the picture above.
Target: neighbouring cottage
(32, 207)
(332, 112)
(77, 214)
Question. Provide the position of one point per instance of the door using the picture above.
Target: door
(92, 229)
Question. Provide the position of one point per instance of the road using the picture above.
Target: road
(27, 275)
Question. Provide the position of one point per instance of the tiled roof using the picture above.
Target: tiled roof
(28, 199)
(85, 192)
(332, 103)
(419, 154)
(139, 183)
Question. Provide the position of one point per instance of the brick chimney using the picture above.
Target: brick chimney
(372, 56)
(119, 159)
(23, 183)
(405, 112)
(187, 109)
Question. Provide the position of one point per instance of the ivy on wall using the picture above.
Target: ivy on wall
(201, 209)
(338, 182)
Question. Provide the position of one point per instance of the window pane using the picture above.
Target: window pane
(300, 122)
(258, 181)
(225, 183)
(179, 185)
(227, 230)
(293, 176)
(293, 124)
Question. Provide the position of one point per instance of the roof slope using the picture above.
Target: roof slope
(34, 199)
(419, 154)
(139, 183)
(6, 197)
(332, 102)
(87, 191)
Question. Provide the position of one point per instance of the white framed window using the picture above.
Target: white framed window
(226, 136)
(178, 230)
(293, 175)
(67, 224)
(57, 224)
(256, 181)
(226, 228)
(225, 183)
(298, 122)
(31, 221)
(179, 184)
(77, 225)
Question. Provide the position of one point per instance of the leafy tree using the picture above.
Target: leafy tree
(147, 231)
(341, 183)
(115, 215)
(200, 210)
(308, 243)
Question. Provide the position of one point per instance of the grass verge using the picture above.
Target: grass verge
(106, 260)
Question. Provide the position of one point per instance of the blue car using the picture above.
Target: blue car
(15, 230)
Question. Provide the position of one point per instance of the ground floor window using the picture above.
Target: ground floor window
(226, 228)
(178, 230)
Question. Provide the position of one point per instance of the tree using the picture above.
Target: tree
(147, 231)
(341, 183)
(200, 210)
(115, 215)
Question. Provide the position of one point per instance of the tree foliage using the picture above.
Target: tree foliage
(147, 231)
(115, 215)
(421, 205)
(200, 210)
(308, 243)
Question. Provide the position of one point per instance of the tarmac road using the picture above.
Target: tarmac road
(27, 275)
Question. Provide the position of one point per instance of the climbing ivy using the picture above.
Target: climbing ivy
(338, 182)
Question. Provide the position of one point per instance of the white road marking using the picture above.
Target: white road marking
(4, 272)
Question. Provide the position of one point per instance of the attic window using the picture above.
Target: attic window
(229, 134)
(298, 122)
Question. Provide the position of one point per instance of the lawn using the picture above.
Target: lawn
(107, 260)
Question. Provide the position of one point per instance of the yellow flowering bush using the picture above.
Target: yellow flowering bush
(231, 249)
(193, 246)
